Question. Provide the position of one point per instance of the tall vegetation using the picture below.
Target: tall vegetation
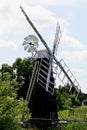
(14, 82)
(23, 71)
(11, 108)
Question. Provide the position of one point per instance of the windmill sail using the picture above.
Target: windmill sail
(66, 76)
(57, 39)
(51, 53)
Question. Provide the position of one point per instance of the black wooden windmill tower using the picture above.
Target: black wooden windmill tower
(41, 96)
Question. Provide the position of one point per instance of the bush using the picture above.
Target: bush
(9, 123)
(11, 109)
(76, 126)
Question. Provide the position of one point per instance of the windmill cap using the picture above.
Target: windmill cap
(43, 54)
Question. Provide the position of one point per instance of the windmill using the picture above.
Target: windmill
(42, 82)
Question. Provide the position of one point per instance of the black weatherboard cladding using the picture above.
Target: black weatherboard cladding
(42, 103)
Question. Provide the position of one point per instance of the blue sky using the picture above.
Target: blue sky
(72, 17)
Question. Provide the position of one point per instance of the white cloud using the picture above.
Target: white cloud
(77, 56)
(74, 50)
(5, 44)
(10, 17)
(57, 2)
(79, 70)
(13, 21)
(73, 42)
(80, 75)
(40, 14)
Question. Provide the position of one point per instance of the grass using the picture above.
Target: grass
(77, 118)
(79, 113)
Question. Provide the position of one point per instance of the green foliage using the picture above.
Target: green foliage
(23, 71)
(63, 114)
(5, 70)
(76, 117)
(11, 109)
(76, 126)
(75, 102)
(14, 82)
(77, 113)
(63, 98)
(9, 123)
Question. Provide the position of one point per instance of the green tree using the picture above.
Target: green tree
(11, 109)
(23, 71)
(5, 68)
(65, 99)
